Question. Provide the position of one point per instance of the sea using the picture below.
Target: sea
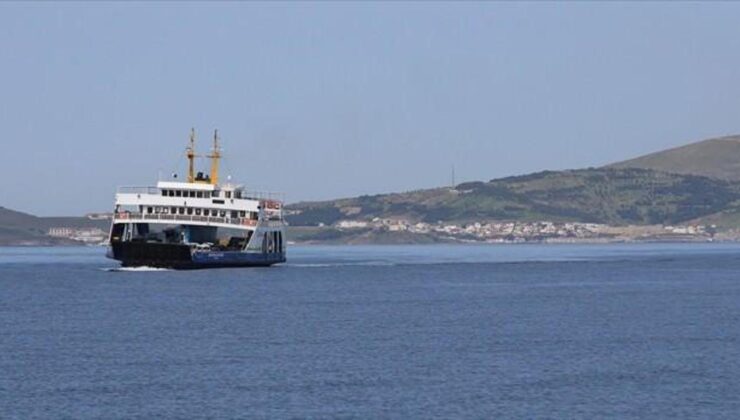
(438, 331)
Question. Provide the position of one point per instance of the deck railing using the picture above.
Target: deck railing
(139, 190)
(238, 221)
(263, 195)
(245, 195)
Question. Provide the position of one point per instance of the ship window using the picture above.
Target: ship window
(207, 194)
(215, 194)
(164, 193)
(238, 194)
(197, 212)
(182, 210)
(205, 212)
(199, 194)
(178, 193)
(242, 213)
(228, 194)
(171, 193)
(190, 210)
(234, 214)
(149, 210)
(173, 210)
(223, 213)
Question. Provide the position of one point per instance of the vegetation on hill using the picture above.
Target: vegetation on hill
(606, 195)
(22, 228)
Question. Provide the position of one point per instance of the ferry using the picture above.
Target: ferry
(200, 223)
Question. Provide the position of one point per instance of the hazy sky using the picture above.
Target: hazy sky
(338, 99)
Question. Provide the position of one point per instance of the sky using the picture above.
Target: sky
(335, 99)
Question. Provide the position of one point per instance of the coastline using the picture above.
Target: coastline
(401, 232)
(390, 239)
(516, 233)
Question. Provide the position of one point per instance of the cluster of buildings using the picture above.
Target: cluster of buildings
(89, 236)
(524, 231)
(493, 231)
(86, 235)
(689, 230)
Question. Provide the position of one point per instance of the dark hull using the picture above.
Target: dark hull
(177, 256)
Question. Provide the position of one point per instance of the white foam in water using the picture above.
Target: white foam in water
(143, 268)
(342, 264)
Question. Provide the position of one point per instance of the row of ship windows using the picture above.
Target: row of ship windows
(200, 194)
(190, 211)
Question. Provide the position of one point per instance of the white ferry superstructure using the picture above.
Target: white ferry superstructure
(197, 224)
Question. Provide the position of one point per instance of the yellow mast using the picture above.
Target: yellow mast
(215, 156)
(190, 151)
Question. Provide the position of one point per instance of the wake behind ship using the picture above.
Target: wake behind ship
(197, 224)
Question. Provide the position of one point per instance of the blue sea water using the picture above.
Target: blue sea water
(523, 331)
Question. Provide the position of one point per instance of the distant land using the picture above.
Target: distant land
(686, 193)
(22, 229)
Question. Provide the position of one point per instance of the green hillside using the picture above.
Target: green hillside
(607, 195)
(22, 228)
(17, 227)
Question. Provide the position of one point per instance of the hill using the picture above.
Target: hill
(715, 158)
(610, 196)
(18, 228)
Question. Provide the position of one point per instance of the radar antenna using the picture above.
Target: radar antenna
(190, 152)
(215, 156)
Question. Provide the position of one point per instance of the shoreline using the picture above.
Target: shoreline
(441, 243)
